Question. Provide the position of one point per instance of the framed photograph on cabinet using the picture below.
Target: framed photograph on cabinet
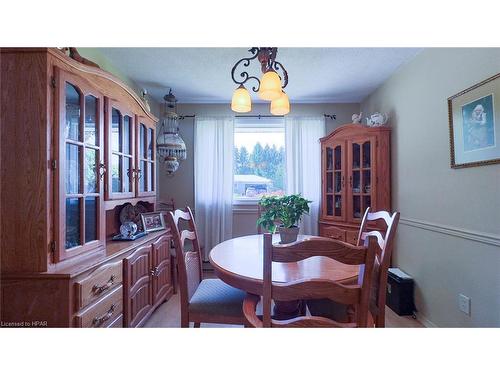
(474, 117)
(152, 221)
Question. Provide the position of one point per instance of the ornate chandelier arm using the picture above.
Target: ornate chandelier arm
(244, 75)
(277, 65)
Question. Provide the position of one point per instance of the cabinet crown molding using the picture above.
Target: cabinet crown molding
(353, 129)
(61, 56)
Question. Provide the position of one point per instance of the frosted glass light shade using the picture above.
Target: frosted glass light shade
(270, 86)
(280, 106)
(241, 101)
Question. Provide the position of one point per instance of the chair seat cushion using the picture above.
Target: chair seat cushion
(215, 297)
(327, 308)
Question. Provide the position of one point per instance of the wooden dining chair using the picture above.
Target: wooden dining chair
(381, 268)
(357, 295)
(202, 300)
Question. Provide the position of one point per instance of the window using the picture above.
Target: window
(259, 158)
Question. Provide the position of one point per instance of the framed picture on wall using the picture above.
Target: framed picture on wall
(474, 117)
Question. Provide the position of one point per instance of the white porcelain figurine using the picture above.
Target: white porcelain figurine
(356, 119)
(377, 119)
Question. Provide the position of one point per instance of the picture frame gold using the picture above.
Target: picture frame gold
(474, 125)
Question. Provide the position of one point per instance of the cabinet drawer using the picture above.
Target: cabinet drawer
(351, 237)
(333, 232)
(102, 312)
(98, 283)
(117, 323)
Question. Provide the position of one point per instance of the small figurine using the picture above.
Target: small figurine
(377, 119)
(145, 99)
(73, 53)
(356, 119)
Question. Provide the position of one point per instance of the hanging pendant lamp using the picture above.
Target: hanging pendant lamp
(241, 101)
(169, 144)
(269, 87)
(281, 105)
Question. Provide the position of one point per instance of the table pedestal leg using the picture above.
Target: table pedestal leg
(284, 310)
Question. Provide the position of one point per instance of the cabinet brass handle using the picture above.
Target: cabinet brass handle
(102, 171)
(98, 321)
(155, 271)
(99, 289)
(138, 174)
(343, 181)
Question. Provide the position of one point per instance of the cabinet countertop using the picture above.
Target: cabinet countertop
(112, 251)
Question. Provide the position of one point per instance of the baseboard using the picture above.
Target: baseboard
(425, 322)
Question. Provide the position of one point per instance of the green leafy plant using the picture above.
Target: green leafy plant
(286, 211)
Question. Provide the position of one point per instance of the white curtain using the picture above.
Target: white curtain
(213, 180)
(303, 164)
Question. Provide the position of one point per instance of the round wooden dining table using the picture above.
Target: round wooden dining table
(239, 263)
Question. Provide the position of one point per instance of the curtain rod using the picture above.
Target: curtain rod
(258, 116)
(331, 117)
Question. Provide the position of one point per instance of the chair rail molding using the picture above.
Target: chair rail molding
(486, 238)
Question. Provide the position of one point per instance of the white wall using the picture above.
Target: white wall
(93, 54)
(449, 235)
(180, 186)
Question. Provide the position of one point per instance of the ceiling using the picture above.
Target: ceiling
(203, 75)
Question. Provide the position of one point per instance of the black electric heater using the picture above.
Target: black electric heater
(399, 293)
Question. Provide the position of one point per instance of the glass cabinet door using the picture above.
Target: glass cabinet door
(360, 179)
(333, 181)
(121, 151)
(79, 143)
(146, 144)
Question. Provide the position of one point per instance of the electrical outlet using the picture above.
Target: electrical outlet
(464, 304)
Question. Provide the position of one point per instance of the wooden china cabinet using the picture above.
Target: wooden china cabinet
(355, 175)
(147, 270)
(78, 167)
(146, 154)
(77, 144)
(131, 153)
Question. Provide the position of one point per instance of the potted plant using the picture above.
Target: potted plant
(284, 212)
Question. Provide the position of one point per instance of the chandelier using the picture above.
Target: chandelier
(169, 144)
(269, 87)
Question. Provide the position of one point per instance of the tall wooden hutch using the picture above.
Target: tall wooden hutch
(355, 175)
(77, 144)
